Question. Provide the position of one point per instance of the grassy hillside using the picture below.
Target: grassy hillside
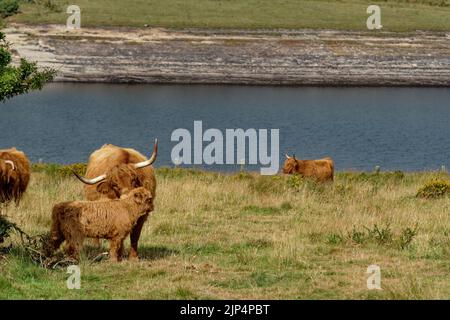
(397, 15)
(246, 236)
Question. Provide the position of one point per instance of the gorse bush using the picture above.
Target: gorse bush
(57, 170)
(79, 168)
(434, 189)
(299, 183)
(8, 8)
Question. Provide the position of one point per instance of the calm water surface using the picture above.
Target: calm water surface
(396, 128)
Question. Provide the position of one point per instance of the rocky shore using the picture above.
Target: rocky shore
(263, 57)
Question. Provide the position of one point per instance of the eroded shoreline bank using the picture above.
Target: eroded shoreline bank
(251, 57)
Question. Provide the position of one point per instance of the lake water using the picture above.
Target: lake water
(395, 128)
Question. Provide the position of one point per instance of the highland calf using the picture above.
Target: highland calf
(106, 219)
(322, 169)
(14, 175)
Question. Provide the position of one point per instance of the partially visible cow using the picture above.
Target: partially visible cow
(322, 169)
(15, 171)
(114, 171)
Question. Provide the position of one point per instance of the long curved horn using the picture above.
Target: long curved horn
(11, 163)
(293, 156)
(152, 159)
(90, 181)
(287, 157)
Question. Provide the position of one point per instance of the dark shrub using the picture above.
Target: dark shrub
(434, 189)
(8, 8)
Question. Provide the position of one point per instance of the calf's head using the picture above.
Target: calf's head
(121, 178)
(291, 165)
(142, 198)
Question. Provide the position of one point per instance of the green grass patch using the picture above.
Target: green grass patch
(243, 236)
(397, 15)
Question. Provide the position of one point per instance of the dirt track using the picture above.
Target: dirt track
(276, 57)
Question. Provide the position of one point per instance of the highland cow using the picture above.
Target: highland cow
(322, 169)
(103, 219)
(14, 175)
(113, 171)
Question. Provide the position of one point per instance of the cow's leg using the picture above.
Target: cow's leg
(73, 249)
(134, 237)
(120, 251)
(114, 249)
(54, 243)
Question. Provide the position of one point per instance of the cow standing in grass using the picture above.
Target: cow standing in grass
(322, 169)
(113, 220)
(114, 171)
(14, 175)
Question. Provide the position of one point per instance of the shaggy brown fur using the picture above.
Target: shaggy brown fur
(322, 169)
(116, 163)
(112, 220)
(13, 178)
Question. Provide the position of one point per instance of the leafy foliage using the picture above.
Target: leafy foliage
(379, 235)
(58, 170)
(434, 189)
(21, 79)
(8, 8)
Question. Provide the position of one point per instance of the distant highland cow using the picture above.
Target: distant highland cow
(102, 219)
(14, 175)
(321, 169)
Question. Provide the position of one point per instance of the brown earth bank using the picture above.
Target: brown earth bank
(256, 57)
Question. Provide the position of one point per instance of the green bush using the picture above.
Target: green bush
(299, 183)
(8, 8)
(58, 170)
(434, 189)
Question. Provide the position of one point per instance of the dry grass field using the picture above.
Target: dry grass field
(244, 236)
